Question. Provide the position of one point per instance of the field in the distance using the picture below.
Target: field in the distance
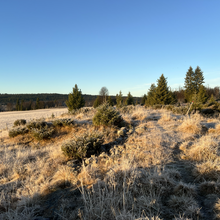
(7, 118)
(159, 166)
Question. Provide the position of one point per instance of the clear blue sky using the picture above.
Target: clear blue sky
(48, 46)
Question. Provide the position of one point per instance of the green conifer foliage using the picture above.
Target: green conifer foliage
(21, 107)
(211, 100)
(151, 96)
(189, 84)
(110, 102)
(193, 81)
(129, 100)
(197, 105)
(162, 91)
(75, 99)
(37, 103)
(144, 99)
(172, 97)
(202, 97)
(119, 99)
(97, 102)
(198, 78)
(17, 105)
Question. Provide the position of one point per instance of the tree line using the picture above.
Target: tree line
(161, 93)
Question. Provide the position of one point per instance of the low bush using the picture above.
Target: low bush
(36, 124)
(81, 110)
(63, 122)
(19, 122)
(158, 106)
(180, 110)
(106, 115)
(43, 133)
(169, 107)
(84, 146)
(127, 109)
(16, 131)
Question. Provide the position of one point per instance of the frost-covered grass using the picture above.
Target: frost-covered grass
(166, 166)
(7, 118)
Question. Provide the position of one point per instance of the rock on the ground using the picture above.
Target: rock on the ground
(122, 131)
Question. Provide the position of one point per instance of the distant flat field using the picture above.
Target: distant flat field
(7, 118)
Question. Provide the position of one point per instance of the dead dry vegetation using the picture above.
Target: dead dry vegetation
(157, 166)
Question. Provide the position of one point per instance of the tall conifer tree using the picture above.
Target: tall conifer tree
(151, 95)
(75, 99)
(162, 91)
(198, 78)
(129, 100)
(193, 81)
(17, 105)
(119, 99)
(189, 84)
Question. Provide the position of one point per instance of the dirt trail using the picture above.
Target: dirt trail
(185, 168)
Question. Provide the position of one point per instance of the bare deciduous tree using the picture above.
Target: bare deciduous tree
(103, 92)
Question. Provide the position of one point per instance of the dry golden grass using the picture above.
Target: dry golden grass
(206, 148)
(140, 178)
(215, 131)
(190, 125)
(140, 114)
(208, 170)
(166, 117)
(217, 209)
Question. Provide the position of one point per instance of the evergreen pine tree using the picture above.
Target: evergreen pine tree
(129, 100)
(75, 99)
(189, 84)
(211, 100)
(172, 97)
(197, 105)
(97, 102)
(143, 100)
(37, 103)
(162, 91)
(202, 97)
(119, 99)
(21, 107)
(17, 105)
(110, 102)
(151, 96)
(193, 81)
(198, 79)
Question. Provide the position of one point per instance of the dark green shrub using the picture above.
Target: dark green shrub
(16, 131)
(36, 124)
(75, 99)
(106, 115)
(19, 122)
(83, 146)
(63, 122)
(42, 133)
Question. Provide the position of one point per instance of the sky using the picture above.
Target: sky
(48, 46)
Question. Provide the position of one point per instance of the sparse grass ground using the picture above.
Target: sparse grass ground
(162, 166)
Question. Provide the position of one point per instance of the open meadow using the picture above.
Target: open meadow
(153, 165)
(7, 118)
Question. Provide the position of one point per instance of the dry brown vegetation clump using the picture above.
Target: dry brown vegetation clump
(190, 125)
(158, 166)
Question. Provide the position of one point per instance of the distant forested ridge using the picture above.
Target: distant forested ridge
(10, 102)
